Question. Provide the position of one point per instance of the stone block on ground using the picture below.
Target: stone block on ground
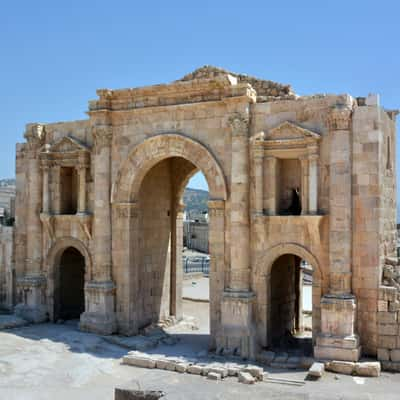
(139, 361)
(256, 372)
(383, 354)
(233, 369)
(246, 378)
(390, 366)
(219, 370)
(341, 367)
(128, 394)
(195, 369)
(316, 370)
(181, 367)
(214, 376)
(371, 369)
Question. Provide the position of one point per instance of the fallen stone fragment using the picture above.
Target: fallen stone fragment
(219, 370)
(128, 394)
(316, 370)
(370, 369)
(214, 376)
(195, 369)
(181, 367)
(256, 372)
(246, 378)
(233, 369)
(341, 367)
(136, 361)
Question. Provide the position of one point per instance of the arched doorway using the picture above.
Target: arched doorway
(70, 296)
(148, 214)
(290, 324)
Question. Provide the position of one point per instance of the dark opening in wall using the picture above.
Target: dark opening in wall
(69, 190)
(289, 186)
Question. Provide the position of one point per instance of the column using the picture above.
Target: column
(305, 194)
(56, 176)
(270, 184)
(46, 194)
(99, 315)
(240, 230)
(237, 330)
(33, 284)
(82, 189)
(338, 339)
(216, 239)
(258, 176)
(313, 184)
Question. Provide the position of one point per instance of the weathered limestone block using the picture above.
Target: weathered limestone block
(138, 361)
(246, 378)
(371, 369)
(316, 370)
(341, 367)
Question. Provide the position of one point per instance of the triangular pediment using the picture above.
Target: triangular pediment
(288, 131)
(67, 144)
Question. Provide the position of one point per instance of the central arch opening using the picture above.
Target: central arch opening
(162, 262)
(71, 281)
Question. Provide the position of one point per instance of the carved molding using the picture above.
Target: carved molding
(239, 124)
(339, 118)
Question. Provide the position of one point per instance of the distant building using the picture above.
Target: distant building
(7, 205)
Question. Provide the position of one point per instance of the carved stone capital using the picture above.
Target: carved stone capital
(102, 136)
(239, 124)
(339, 118)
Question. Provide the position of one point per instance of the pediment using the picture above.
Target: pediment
(67, 144)
(288, 131)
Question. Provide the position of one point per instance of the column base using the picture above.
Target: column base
(237, 333)
(337, 340)
(99, 316)
(337, 348)
(31, 289)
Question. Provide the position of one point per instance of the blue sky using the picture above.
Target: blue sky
(55, 54)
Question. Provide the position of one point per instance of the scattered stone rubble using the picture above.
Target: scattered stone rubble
(213, 370)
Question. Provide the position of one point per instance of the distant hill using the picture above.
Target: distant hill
(196, 200)
(7, 182)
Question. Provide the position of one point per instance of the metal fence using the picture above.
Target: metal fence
(196, 264)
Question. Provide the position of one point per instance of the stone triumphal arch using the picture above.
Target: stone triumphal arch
(294, 182)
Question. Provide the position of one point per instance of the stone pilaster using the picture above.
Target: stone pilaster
(270, 184)
(313, 184)
(99, 315)
(305, 193)
(31, 287)
(237, 331)
(240, 221)
(46, 193)
(216, 212)
(82, 189)
(338, 339)
(258, 177)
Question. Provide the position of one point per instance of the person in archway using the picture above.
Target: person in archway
(295, 206)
